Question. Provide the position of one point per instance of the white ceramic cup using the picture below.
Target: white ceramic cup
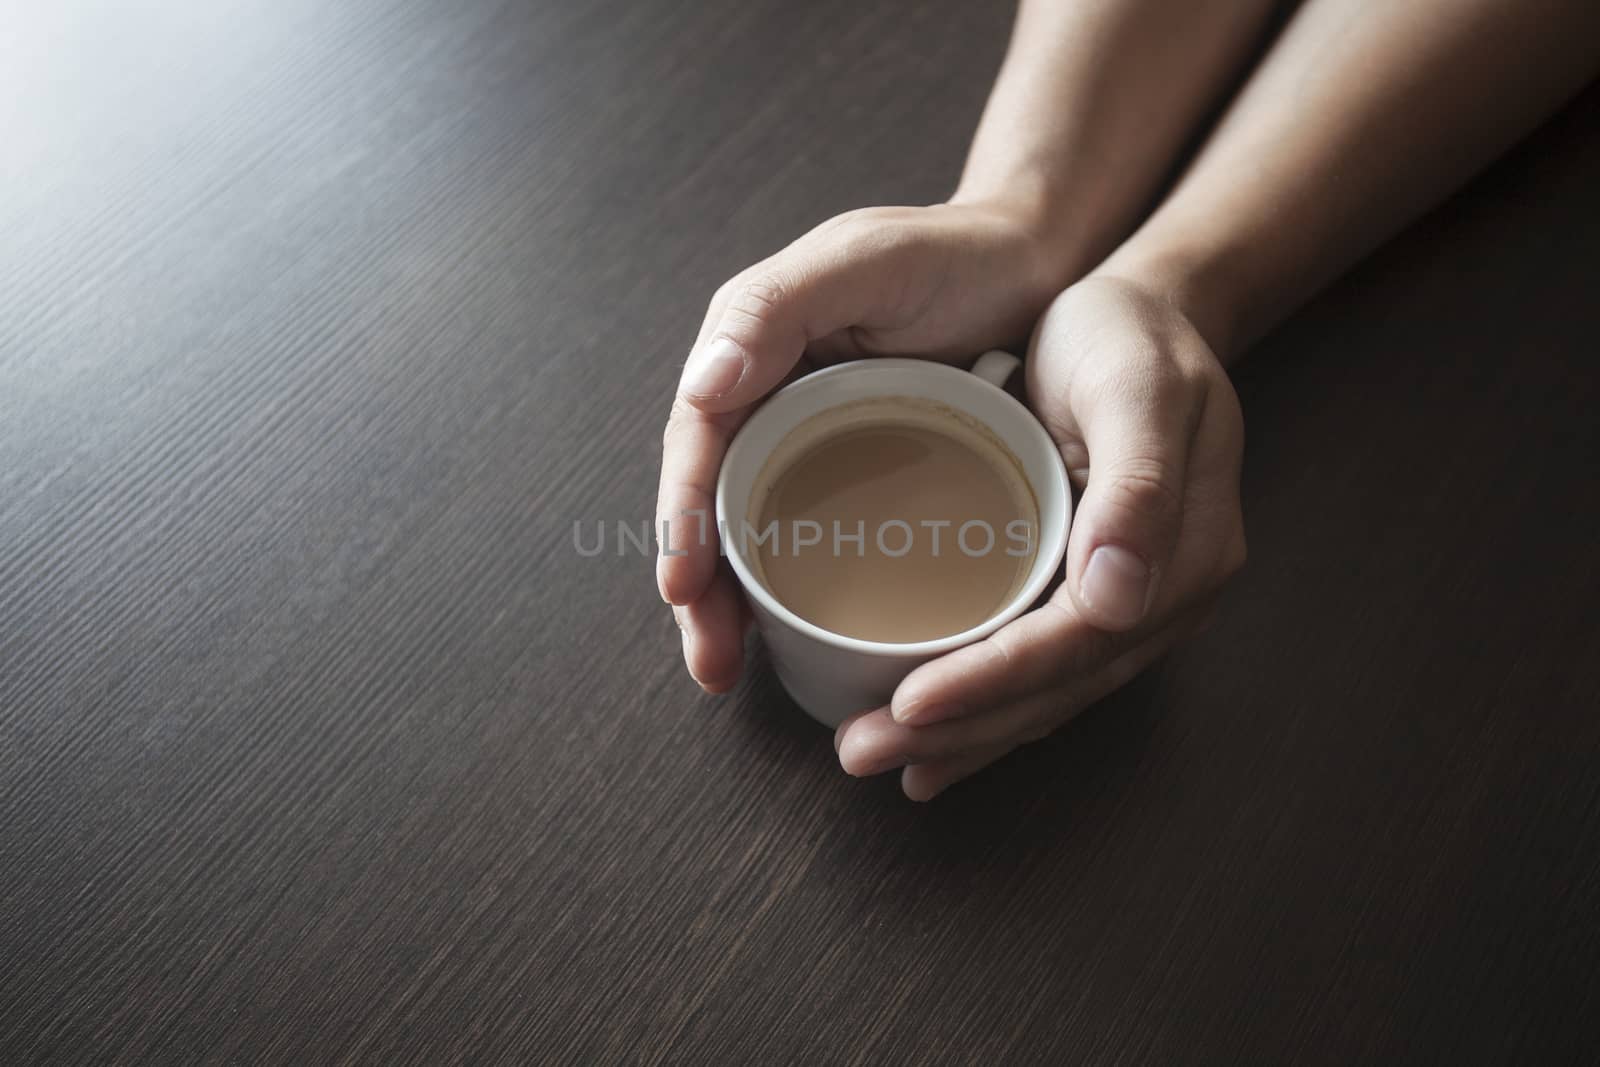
(832, 676)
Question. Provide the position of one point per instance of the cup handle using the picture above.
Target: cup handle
(996, 366)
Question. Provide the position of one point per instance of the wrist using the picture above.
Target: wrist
(1195, 281)
(1033, 207)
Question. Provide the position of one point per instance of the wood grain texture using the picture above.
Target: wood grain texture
(321, 323)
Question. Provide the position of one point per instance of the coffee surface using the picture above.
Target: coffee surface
(945, 537)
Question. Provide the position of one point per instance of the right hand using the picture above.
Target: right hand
(1151, 431)
(943, 282)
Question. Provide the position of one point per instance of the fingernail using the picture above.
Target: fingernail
(1115, 584)
(868, 767)
(714, 370)
(922, 714)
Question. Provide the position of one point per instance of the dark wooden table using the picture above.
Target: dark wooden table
(320, 325)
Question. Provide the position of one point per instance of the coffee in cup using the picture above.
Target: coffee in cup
(894, 519)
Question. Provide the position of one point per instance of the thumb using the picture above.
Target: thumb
(1131, 511)
(760, 322)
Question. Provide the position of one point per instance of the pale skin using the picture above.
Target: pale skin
(1358, 117)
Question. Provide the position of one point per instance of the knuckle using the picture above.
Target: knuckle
(670, 433)
(1003, 651)
(677, 424)
(1145, 488)
(756, 301)
(763, 292)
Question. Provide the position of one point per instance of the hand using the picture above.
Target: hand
(940, 282)
(1151, 432)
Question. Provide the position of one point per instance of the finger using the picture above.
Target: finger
(924, 781)
(864, 746)
(692, 448)
(840, 730)
(877, 742)
(1039, 653)
(713, 634)
(1138, 430)
(691, 457)
(1040, 650)
(1134, 400)
(839, 275)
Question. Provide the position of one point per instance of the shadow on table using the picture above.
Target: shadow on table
(1037, 798)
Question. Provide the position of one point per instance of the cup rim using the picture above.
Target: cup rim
(1052, 546)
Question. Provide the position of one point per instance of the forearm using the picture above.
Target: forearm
(1361, 117)
(1094, 102)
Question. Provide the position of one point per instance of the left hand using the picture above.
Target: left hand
(1152, 435)
(937, 282)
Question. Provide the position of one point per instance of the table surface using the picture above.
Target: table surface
(320, 326)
